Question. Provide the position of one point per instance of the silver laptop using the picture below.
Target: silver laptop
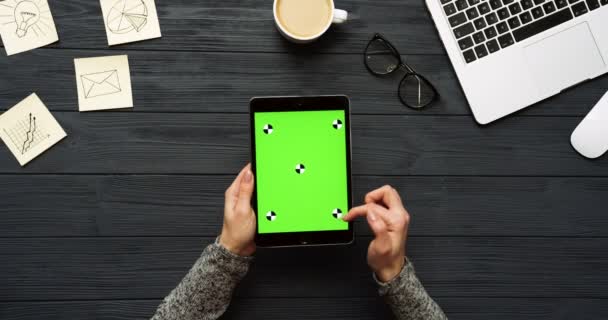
(510, 54)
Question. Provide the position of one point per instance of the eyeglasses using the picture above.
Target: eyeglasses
(381, 58)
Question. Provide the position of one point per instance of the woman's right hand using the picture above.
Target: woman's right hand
(389, 221)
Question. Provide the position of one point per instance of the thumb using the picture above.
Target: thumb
(245, 192)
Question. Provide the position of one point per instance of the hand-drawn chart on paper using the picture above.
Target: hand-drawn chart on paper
(26, 135)
(130, 20)
(28, 129)
(127, 15)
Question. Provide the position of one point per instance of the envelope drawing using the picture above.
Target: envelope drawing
(100, 83)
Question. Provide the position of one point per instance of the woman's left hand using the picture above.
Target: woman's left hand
(238, 231)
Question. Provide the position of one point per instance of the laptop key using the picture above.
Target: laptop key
(495, 4)
(537, 13)
(465, 43)
(549, 7)
(541, 25)
(479, 23)
(593, 4)
(515, 9)
(472, 13)
(537, 2)
(503, 13)
(514, 23)
(492, 46)
(506, 40)
(478, 37)
(490, 32)
(502, 27)
(604, 2)
(491, 19)
(469, 56)
(484, 8)
(525, 17)
(461, 4)
(560, 3)
(445, 1)
(481, 51)
(527, 4)
(457, 19)
(449, 9)
(579, 9)
(464, 30)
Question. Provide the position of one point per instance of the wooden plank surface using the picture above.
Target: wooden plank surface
(165, 205)
(224, 82)
(124, 142)
(317, 308)
(149, 267)
(508, 221)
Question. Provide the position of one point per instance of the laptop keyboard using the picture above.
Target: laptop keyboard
(483, 27)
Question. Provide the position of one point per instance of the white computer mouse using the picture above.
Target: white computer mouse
(590, 138)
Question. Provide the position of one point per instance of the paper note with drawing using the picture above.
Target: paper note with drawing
(28, 129)
(103, 83)
(100, 83)
(26, 25)
(130, 20)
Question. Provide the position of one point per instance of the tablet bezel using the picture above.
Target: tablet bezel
(284, 104)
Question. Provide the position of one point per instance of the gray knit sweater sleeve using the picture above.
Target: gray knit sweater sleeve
(407, 297)
(206, 290)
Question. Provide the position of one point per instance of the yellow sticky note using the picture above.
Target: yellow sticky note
(26, 25)
(103, 83)
(130, 20)
(28, 129)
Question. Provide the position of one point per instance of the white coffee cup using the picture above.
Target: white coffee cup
(339, 16)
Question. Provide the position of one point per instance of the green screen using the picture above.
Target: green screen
(301, 171)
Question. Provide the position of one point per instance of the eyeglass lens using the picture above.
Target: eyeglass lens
(380, 58)
(415, 91)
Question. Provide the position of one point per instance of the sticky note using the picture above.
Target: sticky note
(103, 83)
(130, 20)
(28, 129)
(26, 25)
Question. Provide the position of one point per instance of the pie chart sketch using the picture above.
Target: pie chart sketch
(127, 15)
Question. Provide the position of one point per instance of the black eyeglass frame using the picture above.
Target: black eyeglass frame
(409, 71)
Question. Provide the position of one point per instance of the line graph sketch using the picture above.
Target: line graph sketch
(28, 129)
(25, 134)
(126, 16)
(28, 16)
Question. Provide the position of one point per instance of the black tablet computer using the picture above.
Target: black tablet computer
(301, 158)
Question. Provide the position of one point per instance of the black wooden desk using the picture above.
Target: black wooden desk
(508, 221)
